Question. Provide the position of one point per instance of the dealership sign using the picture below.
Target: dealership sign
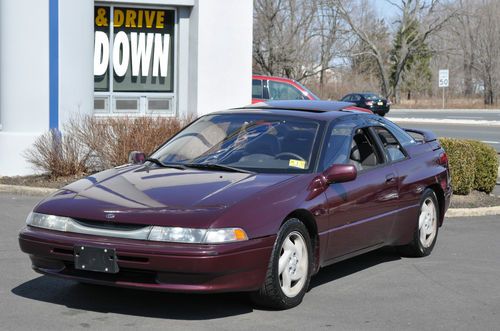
(137, 45)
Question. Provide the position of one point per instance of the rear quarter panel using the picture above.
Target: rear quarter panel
(416, 173)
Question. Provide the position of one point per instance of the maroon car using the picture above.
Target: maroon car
(254, 199)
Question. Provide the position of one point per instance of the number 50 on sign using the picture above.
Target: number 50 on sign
(444, 80)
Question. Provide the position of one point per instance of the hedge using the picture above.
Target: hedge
(473, 165)
(486, 174)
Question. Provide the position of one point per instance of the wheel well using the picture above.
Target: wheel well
(310, 222)
(440, 197)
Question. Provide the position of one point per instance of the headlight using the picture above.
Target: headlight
(153, 233)
(50, 222)
(200, 236)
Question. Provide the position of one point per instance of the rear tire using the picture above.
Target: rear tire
(289, 269)
(425, 235)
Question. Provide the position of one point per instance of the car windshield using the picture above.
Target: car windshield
(251, 142)
(372, 97)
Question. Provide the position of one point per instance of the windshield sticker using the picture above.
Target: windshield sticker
(297, 164)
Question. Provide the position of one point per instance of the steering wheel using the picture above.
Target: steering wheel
(278, 156)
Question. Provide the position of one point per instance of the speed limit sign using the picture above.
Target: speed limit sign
(444, 80)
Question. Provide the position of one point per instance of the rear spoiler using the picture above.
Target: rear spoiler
(424, 136)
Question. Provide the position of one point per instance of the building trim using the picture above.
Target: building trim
(53, 64)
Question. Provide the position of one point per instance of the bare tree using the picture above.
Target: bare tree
(487, 50)
(430, 18)
(296, 38)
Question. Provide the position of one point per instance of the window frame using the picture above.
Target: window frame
(111, 96)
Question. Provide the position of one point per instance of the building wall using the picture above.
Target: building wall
(24, 89)
(214, 65)
(224, 64)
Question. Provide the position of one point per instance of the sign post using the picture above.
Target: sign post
(444, 80)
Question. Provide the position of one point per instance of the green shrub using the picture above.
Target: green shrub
(486, 166)
(462, 160)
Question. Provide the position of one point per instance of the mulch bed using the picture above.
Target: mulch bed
(473, 200)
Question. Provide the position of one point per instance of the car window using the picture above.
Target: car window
(257, 142)
(355, 97)
(392, 148)
(402, 136)
(283, 91)
(372, 97)
(363, 154)
(257, 89)
(346, 98)
(338, 144)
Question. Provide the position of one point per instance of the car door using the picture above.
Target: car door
(360, 211)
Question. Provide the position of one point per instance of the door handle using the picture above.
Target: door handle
(390, 178)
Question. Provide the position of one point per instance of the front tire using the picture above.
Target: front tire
(425, 235)
(289, 269)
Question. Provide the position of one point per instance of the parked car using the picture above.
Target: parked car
(254, 199)
(278, 88)
(371, 101)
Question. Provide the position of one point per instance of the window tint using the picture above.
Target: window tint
(257, 89)
(346, 98)
(283, 91)
(355, 97)
(392, 148)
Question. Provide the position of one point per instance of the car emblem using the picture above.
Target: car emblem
(110, 216)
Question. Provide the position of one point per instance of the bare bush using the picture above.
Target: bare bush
(111, 139)
(89, 144)
(58, 155)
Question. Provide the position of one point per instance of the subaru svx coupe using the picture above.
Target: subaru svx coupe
(255, 199)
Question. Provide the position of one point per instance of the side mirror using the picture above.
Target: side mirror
(339, 173)
(136, 157)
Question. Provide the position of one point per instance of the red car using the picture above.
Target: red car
(254, 199)
(278, 88)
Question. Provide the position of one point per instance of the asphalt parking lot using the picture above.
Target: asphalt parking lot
(456, 288)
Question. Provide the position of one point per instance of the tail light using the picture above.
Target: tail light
(443, 159)
(369, 103)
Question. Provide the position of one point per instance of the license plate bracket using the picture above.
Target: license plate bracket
(97, 259)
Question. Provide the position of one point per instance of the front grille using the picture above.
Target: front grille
(109, 225)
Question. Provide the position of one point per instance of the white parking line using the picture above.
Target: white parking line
(490, 142)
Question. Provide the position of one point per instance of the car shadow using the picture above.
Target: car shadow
(354, 265)
(104, 299)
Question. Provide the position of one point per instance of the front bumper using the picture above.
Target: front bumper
(150, 265)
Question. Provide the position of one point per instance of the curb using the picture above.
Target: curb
(451, 212)
(26, 190)
(471, 212)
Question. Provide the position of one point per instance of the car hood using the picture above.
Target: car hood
(157, 196)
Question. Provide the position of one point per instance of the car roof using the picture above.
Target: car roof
(317, 109)
(275, 78)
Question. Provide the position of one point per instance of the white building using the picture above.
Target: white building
(169, 57)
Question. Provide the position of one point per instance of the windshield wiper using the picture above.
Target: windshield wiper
(214, 166)
(165, 165)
